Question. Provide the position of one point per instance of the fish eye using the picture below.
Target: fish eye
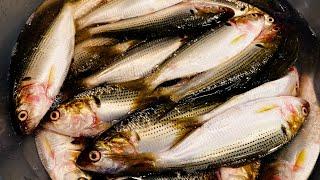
(55, 115)
(82, 178)
(243, 8)
(94, 156)
(192, 12)
(305, 111)
(270, 19)
(23, 115)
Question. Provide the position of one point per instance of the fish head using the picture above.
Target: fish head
(113, 155)
(102, 158)
(249, 23)
(269, 36)
(295, 111)
(32, 103)
(75, 118)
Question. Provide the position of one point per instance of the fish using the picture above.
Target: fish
(181, 18)
(268, 124)
(193, 113)
(237, 71)
(285, 86)
(136, 63)
(92, 112)
(272, 123)
(117, 10)
(93, 54)
(58, 154)
(40, 64)
(297, 159)
(201, 55)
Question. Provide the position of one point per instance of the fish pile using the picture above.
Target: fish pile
(149, 89)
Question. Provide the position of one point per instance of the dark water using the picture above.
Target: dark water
(18, 157)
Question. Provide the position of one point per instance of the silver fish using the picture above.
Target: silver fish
(202, 55)
(58, 154)
(136, 63)
(185, 16)
(92, 111)
(239, 69)
(91, 55)
(40, 65)
(83, 7)
(253, 129)
(123, 9)
(273, 118)
(296, 161)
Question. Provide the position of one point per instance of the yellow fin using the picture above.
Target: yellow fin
(300, 160)
(238, 39)
(266, 108)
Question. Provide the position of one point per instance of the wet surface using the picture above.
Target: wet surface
(18, 157)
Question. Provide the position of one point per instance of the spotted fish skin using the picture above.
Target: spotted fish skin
(272, 118)
(178, 19)
(263, 127)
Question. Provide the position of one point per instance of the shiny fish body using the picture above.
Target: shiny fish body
(136, 63)
(173, 126)
(58, 154)
(89, 58)
(285, 86)
(275, 118)
(238, 71)
(202, 55)
(196, 112)
(296, 160)
(178, 18)
(247, 131)
(40, 63)
(92, 111)
(83, 7)
(123, 9)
